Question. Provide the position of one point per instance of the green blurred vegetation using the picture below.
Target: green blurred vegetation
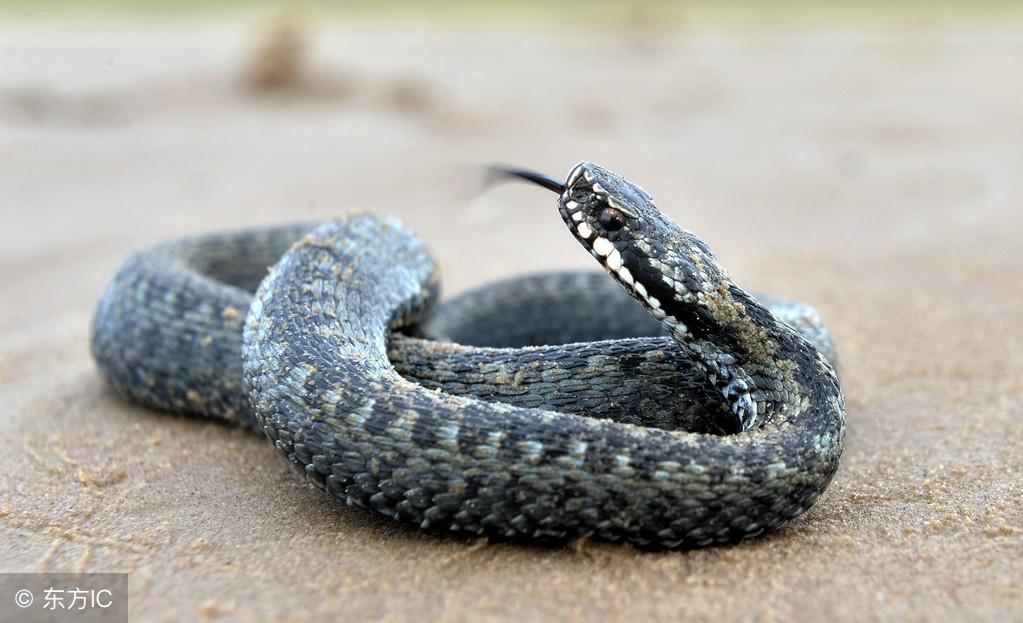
(634, 15)
(581, 9)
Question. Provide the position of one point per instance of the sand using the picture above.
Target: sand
(872, 170)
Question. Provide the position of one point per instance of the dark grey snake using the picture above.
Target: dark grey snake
(696, 417)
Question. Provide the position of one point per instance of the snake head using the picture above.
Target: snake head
(668, 269)
(607, 214)
(671, 271)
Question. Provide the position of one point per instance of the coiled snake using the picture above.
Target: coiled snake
(698, 417)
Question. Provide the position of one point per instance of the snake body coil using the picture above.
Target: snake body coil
(618, 438)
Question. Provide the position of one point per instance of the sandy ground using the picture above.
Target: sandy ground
(873, 171)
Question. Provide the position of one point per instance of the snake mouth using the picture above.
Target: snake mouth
(623, 268)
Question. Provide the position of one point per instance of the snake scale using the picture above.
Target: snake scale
(544, 407)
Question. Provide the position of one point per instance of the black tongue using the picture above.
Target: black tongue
(498, 173)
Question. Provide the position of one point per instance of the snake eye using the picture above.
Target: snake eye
(611, 219)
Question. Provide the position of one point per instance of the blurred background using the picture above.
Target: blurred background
(864, 157)
(127, 121)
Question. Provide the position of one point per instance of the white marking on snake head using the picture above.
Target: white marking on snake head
(573, 176)
(602, 246)
(586, 231)
(614, 260)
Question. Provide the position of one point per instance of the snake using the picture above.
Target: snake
(656, 402)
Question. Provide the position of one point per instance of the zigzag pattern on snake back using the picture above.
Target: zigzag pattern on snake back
(699, 418)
